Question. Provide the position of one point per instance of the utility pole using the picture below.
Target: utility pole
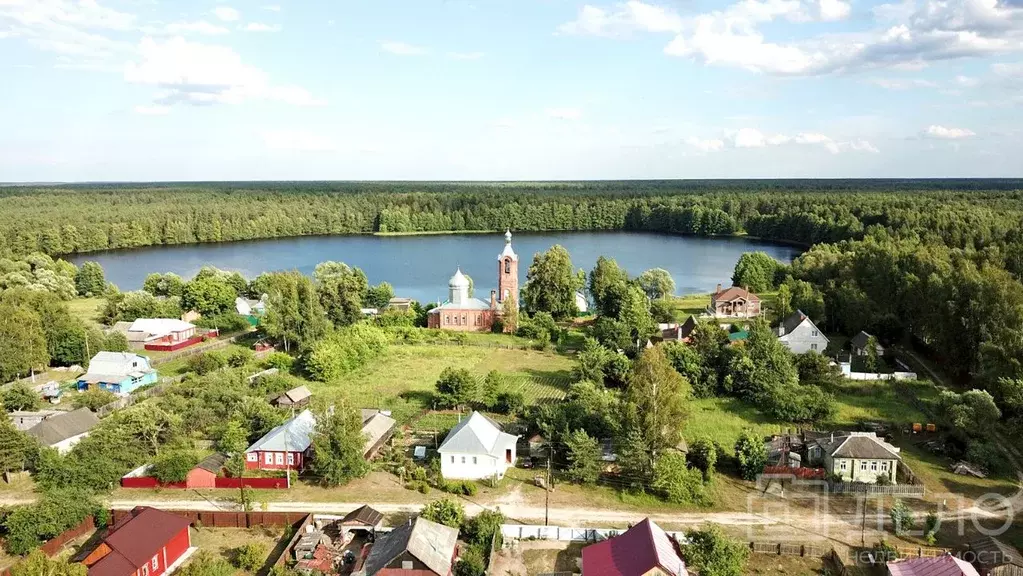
(547, 496)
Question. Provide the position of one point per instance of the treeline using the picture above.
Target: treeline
(77, 219)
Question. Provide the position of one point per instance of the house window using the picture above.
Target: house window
(463, 459)
(252, 457)
(268, 458)
(873, 465)
(452, 459)
(473, 459)
(863, 466)
(291, 459)
(456, 320)
(145, 570)
(406, 564)
(155, 562)
(843, 465)
(813, 346)
(279, 458)
(884, 466)
(447, 319)
(814, 333)
(507, 265)
(465, 320)
(477, 320)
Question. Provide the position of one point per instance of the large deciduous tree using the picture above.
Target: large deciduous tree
(22, 342)
(338, 446)
(89, 280)
(608, 285)
(293, 312)
(551, 284)
(755, 270)
(342, 290)
(209, 296)
(584, 462)
(751, 454)
(660, 398)
(712, 553)
(657, 283)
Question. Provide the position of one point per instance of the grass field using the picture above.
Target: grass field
(223, 542)
(723, 419)
(86, 308)
(878, 401)
(404, 377)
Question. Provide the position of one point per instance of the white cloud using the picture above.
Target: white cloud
(753, 138)
(465, 55)
(402, 49)
(749, 138)
(832, 10)
(195, 73)
(297, 140)
(966, 81)
(152, 110)
(863, 146)
(200, 27)
(77, 31)
(902, 83)
(709, 145)
(564, 113)
(623, 19)
(272, 8)
(945, 133)
(226, 13)
(260, 27)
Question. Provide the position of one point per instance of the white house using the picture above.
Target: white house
(64, 430)
(800, 335)
(855, 456)
(581, 303)
(476, 449)
(163, 330)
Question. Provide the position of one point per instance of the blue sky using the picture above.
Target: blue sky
(509, 89)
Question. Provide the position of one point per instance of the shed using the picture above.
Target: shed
(295, 397)
(377, 430)
(421, 545)
(993, 557)
(205, 473)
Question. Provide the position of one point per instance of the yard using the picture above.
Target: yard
(788, 565)
(697, 304)
(526, 558)
(224, 542)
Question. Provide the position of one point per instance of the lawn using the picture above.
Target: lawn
(404, 377)
(880, 401)
(789, 565)
(943, 484)
(723, 419)
(223, 542)
(87, 309)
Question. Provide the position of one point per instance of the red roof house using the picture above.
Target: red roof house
(642, 549)
(735, 302)
(946, 565)
(145, 543)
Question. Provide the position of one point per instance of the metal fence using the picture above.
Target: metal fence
(860, 488)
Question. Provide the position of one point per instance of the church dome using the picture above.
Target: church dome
(458, 280)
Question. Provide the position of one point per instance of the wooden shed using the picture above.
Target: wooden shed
(995, 558)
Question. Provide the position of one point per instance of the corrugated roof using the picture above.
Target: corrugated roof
(362, 516)
(376, 429)
(292, 436)
(136, 540)
(993, 552)
(295, 395)
(115, 366)
(637, 551)
(60, 427)
(159, 325)
(431, 543)
(946, 565)
(862, 446)
(477, 434)
(213, 463)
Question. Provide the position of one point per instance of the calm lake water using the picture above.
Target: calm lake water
(419, 266)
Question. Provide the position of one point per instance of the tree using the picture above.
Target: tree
(784, 301)
(608, 284)
(342, 291)
(660, 397)
(208, 296)
(657, 283)
(293, 312)
(173, 466)
(89, 280)
(481, 528)
(751, 454)
(972, 412)
(711, 553)
(37, 563)
(662, 310)
(676, 481)
(871, 362)
(902, 518)
(17, 449)
(490, 390)
(20, 396)
(168, 284)
(703, 455)
(379, 296)
(471, 562)
(510, 314)
(755, 270)
(551, 284)
(338, 446)
(22, 342)
(250, 557)
(93, 399)
(458, 387)
(635, 314)
(444, 511)
(584, 457)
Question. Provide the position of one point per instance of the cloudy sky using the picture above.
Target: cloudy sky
(509, 89)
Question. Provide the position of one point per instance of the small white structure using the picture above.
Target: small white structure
(242, 306)
(476, 449)
(581, 303)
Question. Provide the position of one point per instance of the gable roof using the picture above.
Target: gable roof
(159, 325)
(735, 292)
(294, 396)
(60, 427)
(637, 551)
(864, 445)
(294, 435)
(792, 321)
(136, 539)
(946, 565)
(431, 543)
(993, 552)
(477, 434)
(362, 516)
(213, 463)
(115, 366)
(375, 430)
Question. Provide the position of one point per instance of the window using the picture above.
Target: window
(252, 457)
(863, 466)
(452, 459)
(155, 562)
(473, 459)
(145, 570)
(884, 466)
(465, 320)
(843, 465)
(406, 564)
(268, 458)
(873, 465)
(291, 459)
(814, 333)
(506, 293)
(463, 459)
(477, 320)
(456, 320)
(507, 265)
(813, 346)
(279, 458)
(447, 319)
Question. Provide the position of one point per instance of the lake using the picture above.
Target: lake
(419, 266)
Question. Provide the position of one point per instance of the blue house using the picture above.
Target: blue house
(117, 372)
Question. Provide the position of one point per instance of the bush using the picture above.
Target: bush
(988, 456)
(239, 357)
(444, 511)
(227, 322)
(421, 486)
(250, 557)
(461, 487)
(510, 403)
(703, 455)
(482, 528)
(207, 362)
(204, 563)
(344, 351)
(279, 360)
(93, 399)
(902, 518)
(20, 396)
(173, 466)
(54, 512)
(471, 562)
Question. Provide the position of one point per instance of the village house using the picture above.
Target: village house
(148, 542)
(475, 449)
(162, 333)
(800, 335)
(377, 428)
(464, 313)
(674, 332)
(992, 557)
(946, 565)
(399, 304)
(643, 550)
(119, 372)
(734, 302)
(285, 447)
(24, 419)
(62, 431)
(858, 344)
(854, 456)
(419, 547)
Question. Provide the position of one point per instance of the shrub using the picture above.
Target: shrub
(471, 562)
(480, 529)
(279, 360)
(174, 466)
(510, 403)
(93, 399)
(418, 485)
(902, 518)
(207, 362)
(250, 557)
(239, 357)
(703, 455)
(344, 351)
(227, 322)
(444, 511)
(204, 563)
(54, 512)
(20, 396)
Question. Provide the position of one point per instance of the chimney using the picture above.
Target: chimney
(718, 289)
(832, 436)
(493, 299)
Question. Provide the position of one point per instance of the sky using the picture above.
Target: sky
(158, 90)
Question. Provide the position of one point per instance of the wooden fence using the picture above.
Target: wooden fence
(789, 549)
(218, 482)
(223, 519)
(860, 488)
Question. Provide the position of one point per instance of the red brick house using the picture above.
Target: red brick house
(149, 542)
(734, 302)
(465, 313)
(285, 447)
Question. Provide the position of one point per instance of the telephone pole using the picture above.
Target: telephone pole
(547, 495)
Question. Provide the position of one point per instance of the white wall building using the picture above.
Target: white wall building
(476, 449)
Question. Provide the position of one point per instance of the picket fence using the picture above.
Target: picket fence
(565, 534)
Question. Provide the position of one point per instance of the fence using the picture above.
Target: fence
(125, 401)
(299, 531)
(860, 488)
(222, 519)
(219, 482)
(800, 473)
(56, 544)
(563, 534)
(789, 549)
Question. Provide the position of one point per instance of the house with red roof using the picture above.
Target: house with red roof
(643, 550)
(947, 565)
(149, 542)
(734, 302)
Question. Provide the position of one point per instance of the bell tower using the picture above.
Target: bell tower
(508, 272)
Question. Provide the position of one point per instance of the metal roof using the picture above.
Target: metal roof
(375, 430)
(135, 541)
(115, 366)
(159, 325)
(639, 550)
(946, 565)
(468, 304)
(362, 516)
(58, 428)
(431, 543)
(477, 434)
(294, 435)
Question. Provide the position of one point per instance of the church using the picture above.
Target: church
(467, 314)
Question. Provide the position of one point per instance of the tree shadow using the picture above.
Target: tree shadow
(424, 398)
